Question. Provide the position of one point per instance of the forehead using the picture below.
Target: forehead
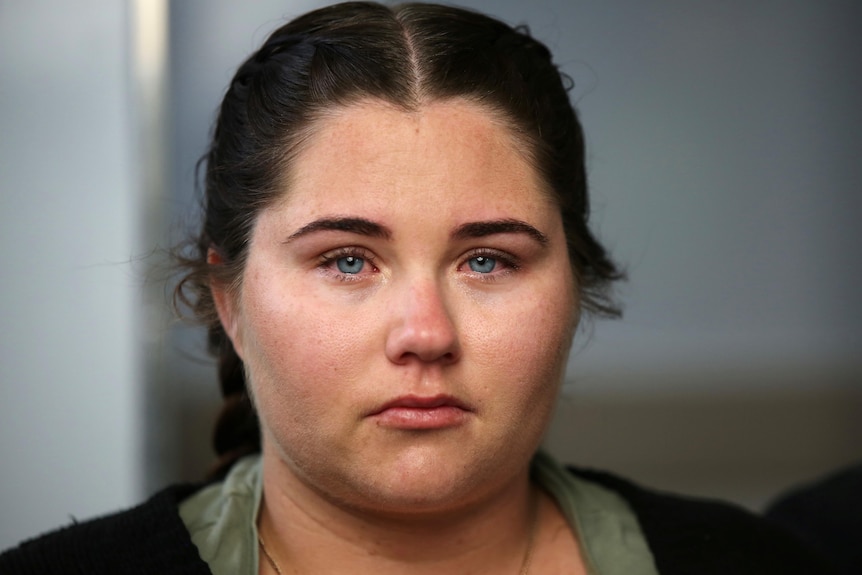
(445, 155)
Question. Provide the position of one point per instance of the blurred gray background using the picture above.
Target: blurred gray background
(724, 143)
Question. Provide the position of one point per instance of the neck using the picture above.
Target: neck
(307, 533)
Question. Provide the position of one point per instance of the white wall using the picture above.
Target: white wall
(69, 424)
(725, 146)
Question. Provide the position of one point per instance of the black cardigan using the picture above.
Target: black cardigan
(686, 536)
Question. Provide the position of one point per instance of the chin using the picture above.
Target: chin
(423, 482)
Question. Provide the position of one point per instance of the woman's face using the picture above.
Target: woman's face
(406, 310)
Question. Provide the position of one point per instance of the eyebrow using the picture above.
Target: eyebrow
(489, 228)
(359, 226)
(364, 227)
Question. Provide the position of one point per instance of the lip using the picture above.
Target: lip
(413, 412)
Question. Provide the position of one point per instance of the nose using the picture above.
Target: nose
(422, 327)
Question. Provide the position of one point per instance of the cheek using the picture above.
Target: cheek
(529, 342)
(289, 383)
(300, 350)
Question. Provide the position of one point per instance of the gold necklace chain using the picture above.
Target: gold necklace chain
(525, 564)
(269, 557)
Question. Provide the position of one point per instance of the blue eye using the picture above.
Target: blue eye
(350, 264)
(482, 264)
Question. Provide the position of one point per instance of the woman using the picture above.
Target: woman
(393, 261)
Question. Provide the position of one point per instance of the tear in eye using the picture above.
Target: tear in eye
(350, 264)
(482, 264)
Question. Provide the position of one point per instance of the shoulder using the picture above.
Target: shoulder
(827, 514)
(149, 538)
(692, 535)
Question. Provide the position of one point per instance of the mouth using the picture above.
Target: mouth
(412, 412)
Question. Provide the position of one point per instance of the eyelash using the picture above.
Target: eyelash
(328, 260)
(509, 263)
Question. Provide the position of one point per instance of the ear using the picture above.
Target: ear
(225, 304)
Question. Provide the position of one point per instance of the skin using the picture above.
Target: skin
(412, 255)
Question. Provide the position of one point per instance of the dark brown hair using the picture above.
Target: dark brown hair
(405, 55)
